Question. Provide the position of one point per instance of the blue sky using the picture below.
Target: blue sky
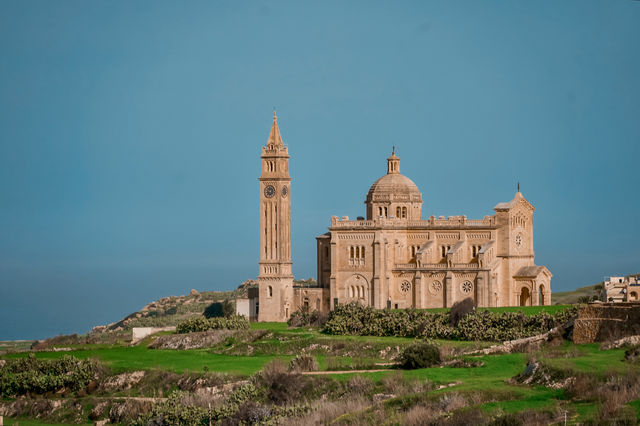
(130, 136)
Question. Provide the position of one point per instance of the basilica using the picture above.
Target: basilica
(394, 258)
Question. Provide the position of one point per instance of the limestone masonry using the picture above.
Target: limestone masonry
(394, 258)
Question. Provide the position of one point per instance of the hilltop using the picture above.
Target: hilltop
(169, 311)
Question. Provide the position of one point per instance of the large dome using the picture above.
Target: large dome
(392, 184)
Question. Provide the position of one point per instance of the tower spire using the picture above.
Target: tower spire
(275, 140)
(393, 162)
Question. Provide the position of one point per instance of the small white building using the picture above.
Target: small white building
(621, 289)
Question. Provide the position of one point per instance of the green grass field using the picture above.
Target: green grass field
(123, 358)
(492, 379)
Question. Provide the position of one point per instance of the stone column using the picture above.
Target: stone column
(377, 266)
(418, 301)
(448, 289)
(333, 289)
(480, 291)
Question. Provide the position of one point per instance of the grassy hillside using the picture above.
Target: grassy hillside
(472, 389)
(573, 296)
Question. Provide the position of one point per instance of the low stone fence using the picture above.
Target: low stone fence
(139, 333)
(603, 322)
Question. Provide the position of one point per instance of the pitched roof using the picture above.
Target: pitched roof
(509, 204)
(530, 271)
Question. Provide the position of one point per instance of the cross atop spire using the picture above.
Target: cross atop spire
(275, 140)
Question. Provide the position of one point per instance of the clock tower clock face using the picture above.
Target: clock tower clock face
(269, 191)
(285, 191)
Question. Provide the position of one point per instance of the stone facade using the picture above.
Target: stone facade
(394, 258)
(275, 278)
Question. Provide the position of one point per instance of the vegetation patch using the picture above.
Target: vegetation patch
(201, 323)
(31, 375)
(483, 325)
(420, 355)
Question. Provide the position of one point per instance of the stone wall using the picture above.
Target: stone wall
(602, 322)
(139, 333)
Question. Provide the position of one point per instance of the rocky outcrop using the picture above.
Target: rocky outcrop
(205, 339)
(625, 341)
(527, 343)
(123, 381)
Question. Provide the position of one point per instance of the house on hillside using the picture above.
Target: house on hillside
(621, 289)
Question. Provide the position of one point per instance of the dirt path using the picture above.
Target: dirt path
(314, 373)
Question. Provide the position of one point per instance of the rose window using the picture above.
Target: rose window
(405, 286)
(436, 286)
(466, 287)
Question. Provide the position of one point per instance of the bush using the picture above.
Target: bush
(234, 322)
(225, 309)
(31, 375)
(281, 385)
(174, 412)
(420, 355)
(355, 319)
(303, 363)
(305, 317)
(460, 309)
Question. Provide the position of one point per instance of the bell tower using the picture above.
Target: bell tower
(275, 278)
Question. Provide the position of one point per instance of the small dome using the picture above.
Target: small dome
(393, 184)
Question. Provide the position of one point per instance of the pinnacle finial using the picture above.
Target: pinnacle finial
(393, 150)
(518, 186)
(275, 117)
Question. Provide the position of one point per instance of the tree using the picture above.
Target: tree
(226, 308)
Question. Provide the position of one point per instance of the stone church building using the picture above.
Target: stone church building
(394, 258)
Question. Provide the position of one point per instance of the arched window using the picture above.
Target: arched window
(398, 212)
(350, 291)
(270, 291)
(317, 304)
(404, 212)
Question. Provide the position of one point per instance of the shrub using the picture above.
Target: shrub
(225, 309)
(360, 385)
(31, 375)
(303, 362)
(174, 412)
(355, 319)
(199, 323)
(281, 385)
(420, 355)
(305, 317)
(460, 309)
